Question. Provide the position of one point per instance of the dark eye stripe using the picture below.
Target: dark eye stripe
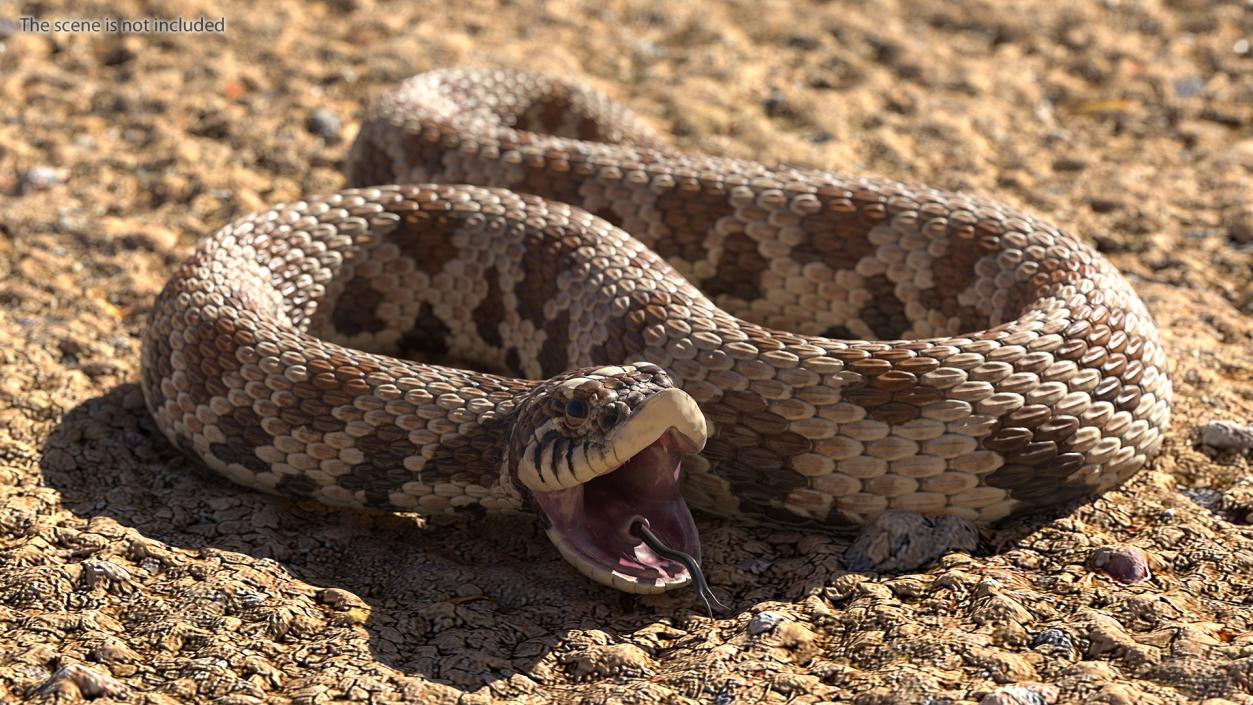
(538, 460)
(561, 446)
(570, 458)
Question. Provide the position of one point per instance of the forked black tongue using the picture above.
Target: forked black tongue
(641, 531)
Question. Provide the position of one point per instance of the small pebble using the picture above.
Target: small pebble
(1125, 564)
(324, 123)
(1204, 497)
(776, 104)
(1188, 86)
(1053, 641)
(650, 50)
(1227, 435)
(1032, 694)
(104, 573)
(118, 55)
(1070, 164)
(41, 178)
(1105, 204)
(764, 622)
(1238, 222)
(807, 43)
(1237, 503)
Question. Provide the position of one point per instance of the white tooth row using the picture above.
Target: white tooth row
(612, 578)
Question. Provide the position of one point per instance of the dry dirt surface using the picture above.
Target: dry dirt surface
(129, 573)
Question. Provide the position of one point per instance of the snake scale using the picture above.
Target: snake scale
(833, 347)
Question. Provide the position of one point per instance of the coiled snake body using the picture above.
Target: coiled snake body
(860, 345)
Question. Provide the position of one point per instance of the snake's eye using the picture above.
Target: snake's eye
(576, 412)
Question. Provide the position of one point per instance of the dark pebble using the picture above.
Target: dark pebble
(1125, 564)
(324, 123)
(1100, 204)
(1053, 641)
(1069, 164)
(1188, 86)
(118, 55)
(776, 105)
(1205, 497)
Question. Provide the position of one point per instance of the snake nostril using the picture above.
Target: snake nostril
(610, 418)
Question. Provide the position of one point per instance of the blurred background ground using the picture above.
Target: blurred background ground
(127, 572)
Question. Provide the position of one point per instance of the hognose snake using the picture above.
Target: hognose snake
(943, 354)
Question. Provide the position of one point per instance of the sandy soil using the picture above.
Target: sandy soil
(128, 572)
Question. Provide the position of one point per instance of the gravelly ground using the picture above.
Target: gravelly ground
(127, 572)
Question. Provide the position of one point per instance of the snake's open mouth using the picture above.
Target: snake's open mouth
(593, 524)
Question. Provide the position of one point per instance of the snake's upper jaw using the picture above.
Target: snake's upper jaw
(591, 523)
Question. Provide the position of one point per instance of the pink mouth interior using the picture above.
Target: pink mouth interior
(595, 518)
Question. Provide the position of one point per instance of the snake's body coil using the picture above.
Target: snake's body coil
(909, 349)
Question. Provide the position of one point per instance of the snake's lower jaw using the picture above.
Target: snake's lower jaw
(590, 524)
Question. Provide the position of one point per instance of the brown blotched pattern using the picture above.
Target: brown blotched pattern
(1014, 367)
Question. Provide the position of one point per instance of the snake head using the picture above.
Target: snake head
(598, 450)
